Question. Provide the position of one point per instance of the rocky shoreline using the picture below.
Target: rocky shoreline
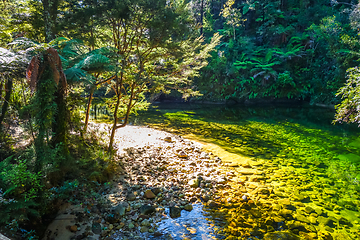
(164, 176)
(160, 177)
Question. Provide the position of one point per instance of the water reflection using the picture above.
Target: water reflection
(191, 225)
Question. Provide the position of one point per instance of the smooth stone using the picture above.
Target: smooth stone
(212, 204)
(182, 154)
(206, 198)
(285, 202)
(248, 171)
(120, 210)
(285, 212)
(280, 236)
(145, 223)
(302, 218)
(167, 139)
(73, 228)
(131, 225)
(147, 209)
(96, 228)
(278, 219)
(149, 194)
(309, 209)
(144, 229)
(194, 183)
(130, 197)
(156, 191)
(188, 207)
(175, 212)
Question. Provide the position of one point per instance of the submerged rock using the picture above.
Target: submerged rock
(147, 209)
(96, 228)
(175, 212)
(280, 236)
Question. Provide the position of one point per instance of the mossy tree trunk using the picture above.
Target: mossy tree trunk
(5, 106)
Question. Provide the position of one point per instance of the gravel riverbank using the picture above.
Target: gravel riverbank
(162, 175)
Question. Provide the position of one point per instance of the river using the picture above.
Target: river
(305, 183)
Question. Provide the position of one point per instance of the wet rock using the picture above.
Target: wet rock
(156, 191)
(149, 194)
(96, 228)
(278, 219)
(145, 223)
(309, 209)
(73, 228)
(325, 221)
(167, 139)
(111, 218)
(206, 198)
(280, 236)
(302, 218)
(131, 225)
(285, 202)
(147, 209)
(212, 204)
(119, 209)
(144, 229)
(175, 212)
(188, 207)
(130, 196)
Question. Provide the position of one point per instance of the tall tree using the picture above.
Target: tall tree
(154, 41)
(50, 11)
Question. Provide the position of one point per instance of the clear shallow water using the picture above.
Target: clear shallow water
(310, 168)
(191, 225)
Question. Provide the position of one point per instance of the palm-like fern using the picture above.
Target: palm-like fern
(264, 67)
(293, 49)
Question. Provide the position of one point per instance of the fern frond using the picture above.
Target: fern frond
(23, 43)
(77, 75)
(94, 63)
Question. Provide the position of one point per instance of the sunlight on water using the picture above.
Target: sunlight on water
(299, 172)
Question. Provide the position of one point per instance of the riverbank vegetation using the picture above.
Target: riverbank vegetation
(57, 56)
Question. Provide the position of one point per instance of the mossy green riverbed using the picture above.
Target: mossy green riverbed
(299, 172)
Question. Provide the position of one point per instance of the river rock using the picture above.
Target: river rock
(130, 196)
(144, 229)
(149, 194)
(302, 218)
(96, 228)
(120, 209)
(194, 183)
(212, 204)
(175, 212)
(156, 191)
(147, 209)
(73, 228)
(280, 236)
(188, 207)
(145, 223)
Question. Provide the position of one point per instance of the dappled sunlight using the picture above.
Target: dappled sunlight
(285, 175)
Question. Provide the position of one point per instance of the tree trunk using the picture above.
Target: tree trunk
(8, 89)
(201, 16)
(88, 108)
(50, 16)
(114, 124)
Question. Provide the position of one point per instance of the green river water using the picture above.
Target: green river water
(306, 184)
